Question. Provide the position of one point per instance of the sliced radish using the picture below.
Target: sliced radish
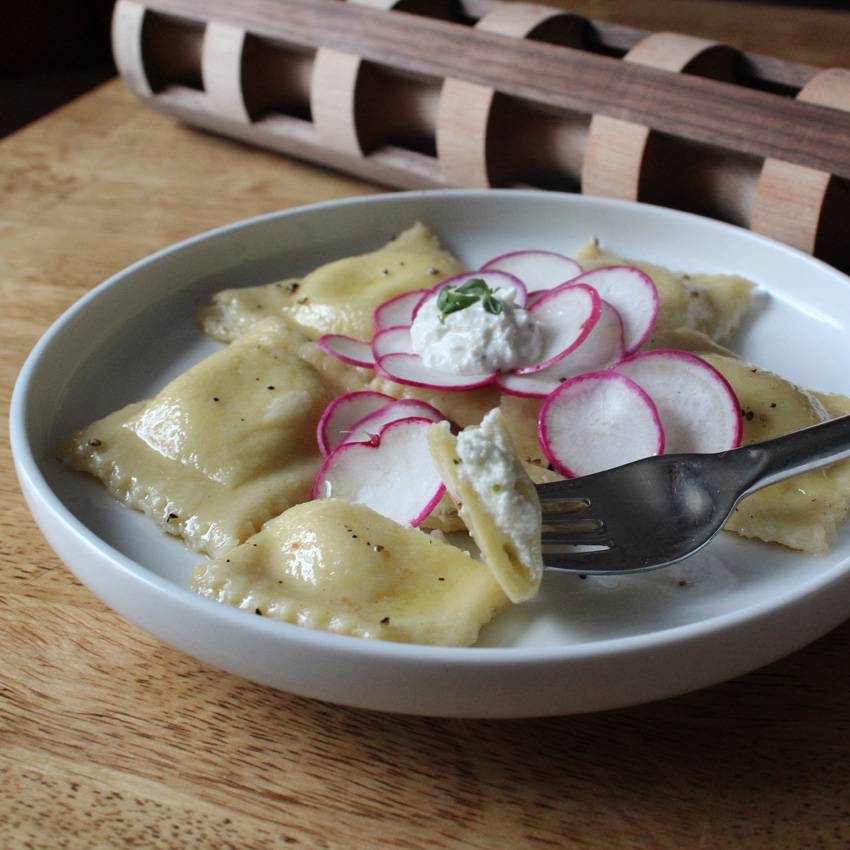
(534, 385)
(500, 282)
(355, 352)
(372, 424)
(567, 315)
(343, 413)
(411, 370)
(394, 474)
(398, 311)
(534, 297)
(633, 294)
(597, 421)
(600, 349)
(536, 269)
(392, 341)
(698, 408)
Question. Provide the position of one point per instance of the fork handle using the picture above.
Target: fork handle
(802, 451)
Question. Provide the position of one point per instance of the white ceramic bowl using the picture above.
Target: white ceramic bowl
(581, 645)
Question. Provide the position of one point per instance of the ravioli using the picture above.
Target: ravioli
(803, 512)
(713, 304)
(219, 450)
(344, 568)
(496, 500)
(339, 297)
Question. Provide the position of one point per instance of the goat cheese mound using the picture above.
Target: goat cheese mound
(474, 341)
(489, 463)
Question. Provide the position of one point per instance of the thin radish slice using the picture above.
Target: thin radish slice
(398, 311)
(597, 421)
(394, 474)
(600, 349)
(567, 315)
(409, 369)
(633, 294)
(536, 269)
(500, 282)
(534, 297)
(392, 341)
(355, 352)
(343, 413)
(533, 385)
(372, 424)
(698, 408)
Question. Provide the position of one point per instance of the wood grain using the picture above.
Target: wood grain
(690, 107)
(108, 739)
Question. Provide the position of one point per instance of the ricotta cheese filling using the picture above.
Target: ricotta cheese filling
(489, 464)
(474, 341)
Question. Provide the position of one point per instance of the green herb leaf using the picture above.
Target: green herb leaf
(454, 298)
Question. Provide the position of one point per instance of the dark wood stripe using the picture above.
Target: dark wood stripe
(715, 113)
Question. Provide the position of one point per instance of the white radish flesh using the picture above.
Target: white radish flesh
(398, 311)
(633, 294)
(371, 425)
(699, 410)
(600, 349)
(567, 315)
(597, 421)
(392, 341)
(410, 369)
(533, 385)
(355, 352)
(536, 269)
(394, 476)
(343, 413)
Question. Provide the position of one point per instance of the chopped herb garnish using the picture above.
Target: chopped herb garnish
(454, 298)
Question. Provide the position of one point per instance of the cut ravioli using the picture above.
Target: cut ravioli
(218, 451)
(339, 297)
(344, 568)
(712, 303)
(803, 512)
(496, 499)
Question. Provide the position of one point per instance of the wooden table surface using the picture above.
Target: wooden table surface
(109, 739)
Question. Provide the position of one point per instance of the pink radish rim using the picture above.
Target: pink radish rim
(606, 375)
(379, 368)
(321, 428)
(486, 266)
(322, 342)
(519, 393)
(464, 276)
(586, 328)
(384, 332)
(692, 358)
(375, 444)
(399, 402)
(376, 316)
(656, 302)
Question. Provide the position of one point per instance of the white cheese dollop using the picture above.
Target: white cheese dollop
(474, 341)
(489, 464)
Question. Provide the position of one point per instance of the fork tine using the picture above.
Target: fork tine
(600, 561)
(562, 491)
(568, 515)
(576, 537)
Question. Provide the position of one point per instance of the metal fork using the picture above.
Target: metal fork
(661, 510)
